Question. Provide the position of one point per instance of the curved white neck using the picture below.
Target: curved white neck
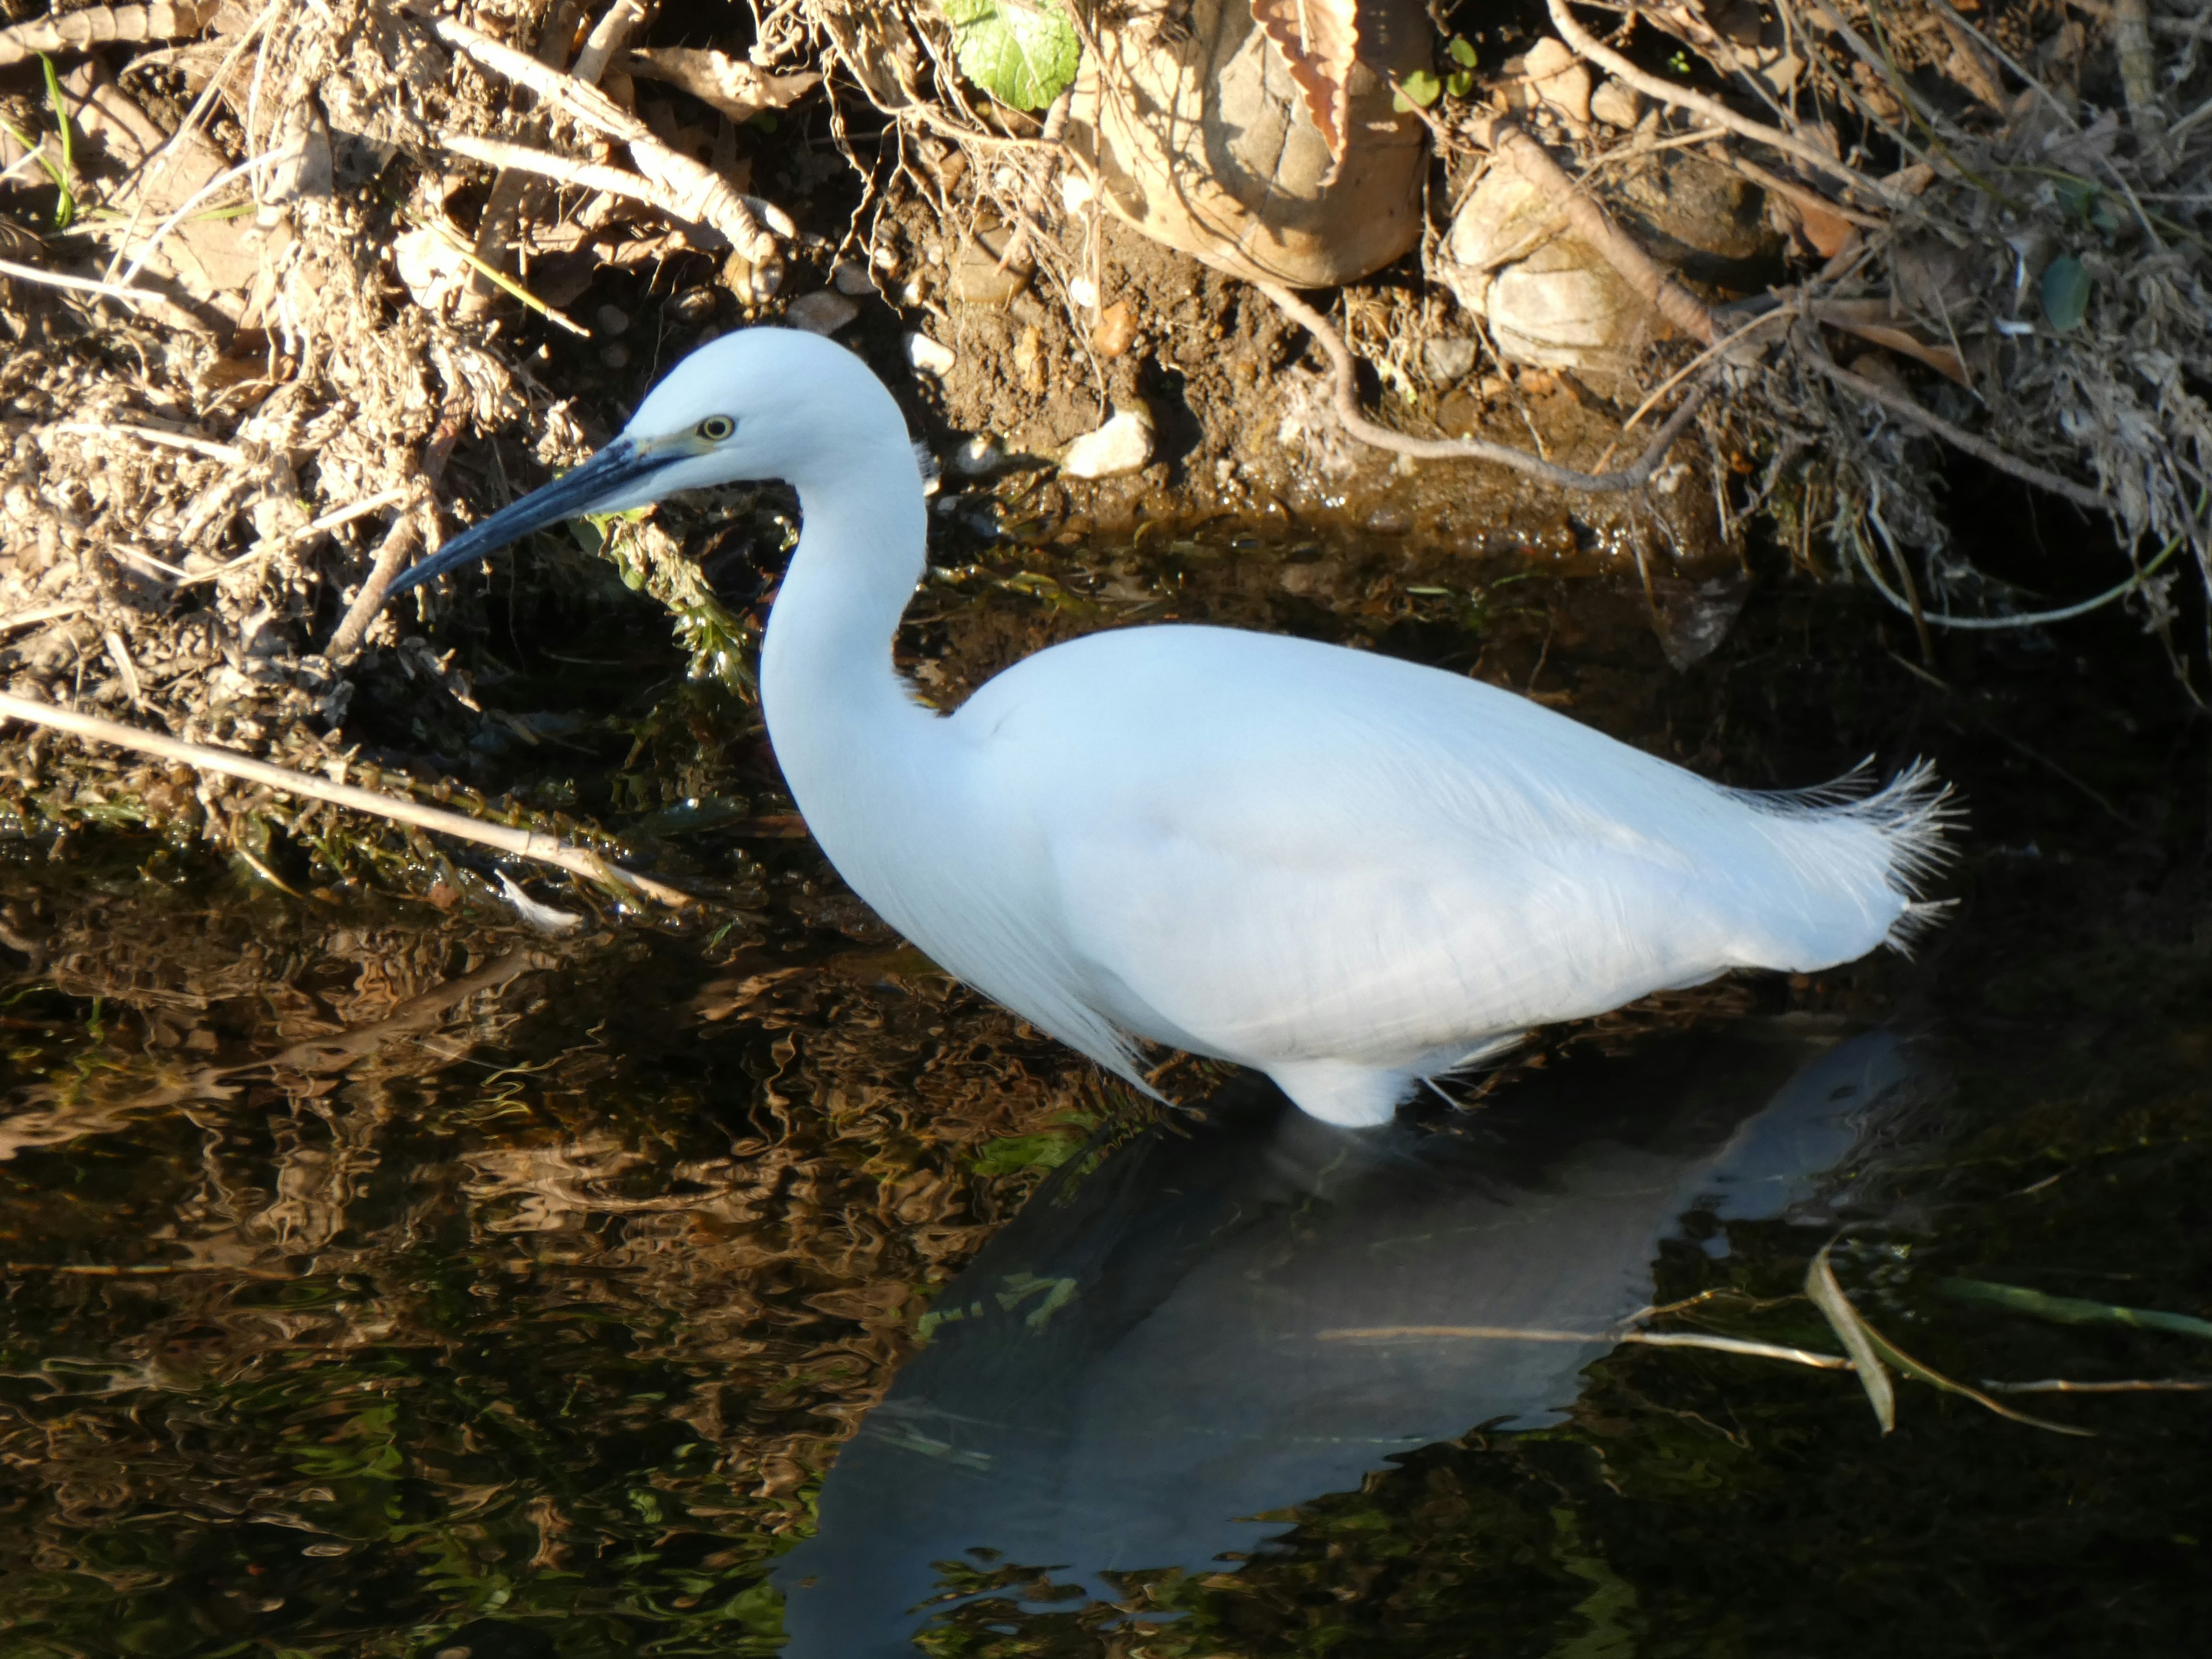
(845, 726)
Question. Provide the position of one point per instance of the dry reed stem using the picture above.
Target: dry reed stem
(519, 843)
(675, 183)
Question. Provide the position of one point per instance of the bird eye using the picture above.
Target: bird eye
(715, 428)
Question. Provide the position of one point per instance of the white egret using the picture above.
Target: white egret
(1348, 871)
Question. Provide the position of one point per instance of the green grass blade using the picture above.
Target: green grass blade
(65, 210)
(2071, 1310)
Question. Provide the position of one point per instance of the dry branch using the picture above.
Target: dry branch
(393, 553)
(505, 202)
(1345, 403)
(519, 843)
(673, 182)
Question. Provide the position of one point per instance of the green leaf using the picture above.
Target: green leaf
(1420, 89)
(1460, 83)
(1023, 53)
(2071, 1310)
(2065, 292)
(1460, 50)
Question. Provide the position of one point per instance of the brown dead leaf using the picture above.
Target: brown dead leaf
(1869, 320)
(1319, 41)
(738, 89)
(216, 260)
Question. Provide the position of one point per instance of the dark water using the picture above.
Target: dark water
(383, 1279)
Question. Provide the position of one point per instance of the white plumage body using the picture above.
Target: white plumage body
(1349, 871)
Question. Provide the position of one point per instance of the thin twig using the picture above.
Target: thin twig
(1346, 404)
(679, 185)
(80, 284)
(392, 555)
(1897, 404)
(152, 434)
(1587, 45)
(519, 843)
(306, 533)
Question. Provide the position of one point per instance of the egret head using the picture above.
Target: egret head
(762, 402)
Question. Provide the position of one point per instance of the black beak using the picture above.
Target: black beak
(570, 496)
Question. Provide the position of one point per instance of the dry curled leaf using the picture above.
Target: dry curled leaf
(1319, 39)
(738, 89)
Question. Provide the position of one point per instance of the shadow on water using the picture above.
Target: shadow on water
(1155, 1360)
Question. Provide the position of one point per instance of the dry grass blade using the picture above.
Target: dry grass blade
(1858, 1342)
(1826, 1362)
(1919, 1373)
(1875, 1353)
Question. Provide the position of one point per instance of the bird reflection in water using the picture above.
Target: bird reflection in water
(1225, 1321)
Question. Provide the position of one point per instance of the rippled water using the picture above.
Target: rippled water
(388, 1280)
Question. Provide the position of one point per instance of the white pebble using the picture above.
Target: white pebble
(1123, 445)
(1084, 292)
(823, 313)
(851, 277)
(1075, 191)
(981, 454)
(927, 356)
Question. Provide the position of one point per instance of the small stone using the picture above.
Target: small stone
(694, 305)
(978, 276)
(1084, 292)
(1616, 105)
(1448, 358)
(822, 313)
(1076, 192)
(980, 455)
(611, 320)
(615, 357)
(1115, 330)
(1389, 521)
(1123, 445)
(851, 277)
(1557, 76)
(927, 356)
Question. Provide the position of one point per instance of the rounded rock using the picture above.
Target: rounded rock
(1123, 445)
